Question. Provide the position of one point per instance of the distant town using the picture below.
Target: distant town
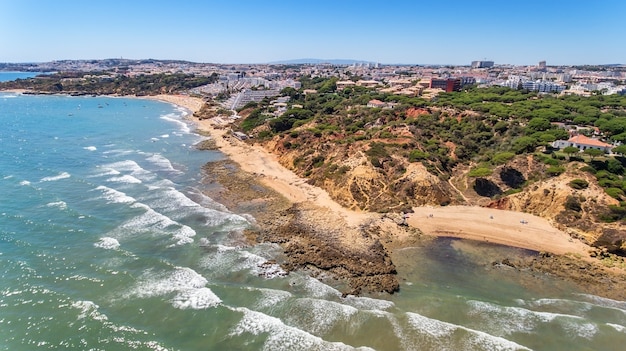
(239, 84)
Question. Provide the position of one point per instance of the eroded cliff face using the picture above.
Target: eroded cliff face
(348, 175)
(576, 211)
(394, 185)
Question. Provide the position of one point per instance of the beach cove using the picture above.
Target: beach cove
(108, 239)
(508, 228)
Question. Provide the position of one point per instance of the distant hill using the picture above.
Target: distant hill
(319, 61)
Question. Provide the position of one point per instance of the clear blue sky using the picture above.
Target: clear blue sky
(247, 31)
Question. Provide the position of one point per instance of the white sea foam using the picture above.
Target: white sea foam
(162, 162)
(229, 259)
(90, 148)
(24, 182)
(58, 204)
(114, 196)
(320, 316)
(605, 302)
(441, 334)
(167, 199)
(280, 336)
(8, 96)
(155, 223)
(89, 310)
(164, 136)
(270, 297)
(127, 179)
(619, 328)
(507, 320)
(196, 299)
(62, 175)
(7, 177)
(189, 287)
(172, 117)
(107, 243)
(105, 172)
(367, 303)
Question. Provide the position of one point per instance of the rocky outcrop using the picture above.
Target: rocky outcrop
(313, 239)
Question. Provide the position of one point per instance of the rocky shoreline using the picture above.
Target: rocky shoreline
(312, 239)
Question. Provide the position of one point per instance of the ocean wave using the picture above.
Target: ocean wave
(367, 303)
(155, 223)
(270, 297)
(89, 310)
(445, 336)
(62, 175)
(90, 148)
(605, 302)
(107, 243)
(172, 117)
(162, 162)
(58, 204)
(115, 196)
(24, 182)
(197, 299)
(280, 336)
(105, 172)
(509, 320)
(619, 328)
(188, 286)
(320, 316)
(127, 179)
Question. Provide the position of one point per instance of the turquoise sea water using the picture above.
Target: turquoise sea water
(107, 243)
(8, 76)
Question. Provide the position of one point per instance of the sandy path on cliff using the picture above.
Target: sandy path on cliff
(466, 222)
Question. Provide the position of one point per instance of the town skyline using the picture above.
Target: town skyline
(397, 32)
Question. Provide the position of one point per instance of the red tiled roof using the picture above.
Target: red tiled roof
(583, 140)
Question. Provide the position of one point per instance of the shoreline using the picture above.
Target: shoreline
(464, 222)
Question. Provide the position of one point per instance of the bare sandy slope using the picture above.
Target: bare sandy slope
(467, 222)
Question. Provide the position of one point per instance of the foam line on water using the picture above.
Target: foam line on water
(280, 336)
(120, 334)
(61, 205)
(604, 302)
(442, 334)
(172, 117)
(114, 196)
(319, 316)
(107, 243)
(162, 162)
(189, 288)
(225, 259)
(155, 223)
(62, 175)
(508, 320)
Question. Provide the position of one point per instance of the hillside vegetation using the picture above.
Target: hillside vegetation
(488, 146)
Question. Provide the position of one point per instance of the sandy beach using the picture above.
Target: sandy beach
(467, 222)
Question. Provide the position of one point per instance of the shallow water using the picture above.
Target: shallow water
(107, 242)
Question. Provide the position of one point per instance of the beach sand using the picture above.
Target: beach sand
(466, 222)
(354, 236)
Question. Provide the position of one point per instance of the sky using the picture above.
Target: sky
(561, 32)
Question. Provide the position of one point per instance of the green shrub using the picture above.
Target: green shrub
(480, 172)
(555, 171)
(502, 158)
(615, 193)
(417, 155)
(572, 204)
(579, 184)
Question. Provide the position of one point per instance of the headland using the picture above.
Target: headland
(330, 241)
